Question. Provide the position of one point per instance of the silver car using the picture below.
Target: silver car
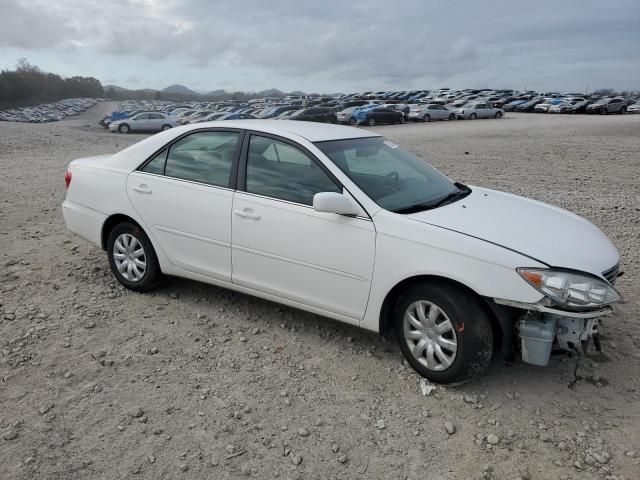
(429, 112)
(635, 108)
(144, 122)
(347, 115)
(472, 111)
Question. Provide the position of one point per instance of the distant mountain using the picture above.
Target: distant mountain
(179, 89)
(272, 92)
(217, 93)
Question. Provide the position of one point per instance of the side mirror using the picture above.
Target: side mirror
(331, 202)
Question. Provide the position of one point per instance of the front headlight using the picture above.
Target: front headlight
(569, 289)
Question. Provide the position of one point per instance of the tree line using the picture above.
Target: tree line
(28, 85)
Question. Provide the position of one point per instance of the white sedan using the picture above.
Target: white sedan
(341, 222)
(479, 110)
(430, 112)
(144, 122)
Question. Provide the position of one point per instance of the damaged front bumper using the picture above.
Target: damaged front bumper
(541, 327)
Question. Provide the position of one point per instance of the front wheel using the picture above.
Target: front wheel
(132, 259)
(623, 110)
(473, 116)
(443, 332)
(372, 122)
(124, 128)
(402, 119)
(498, 115)
(452, 116)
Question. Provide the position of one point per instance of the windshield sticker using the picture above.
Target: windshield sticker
(390, 144)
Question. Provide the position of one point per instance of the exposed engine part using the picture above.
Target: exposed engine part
(575, 333)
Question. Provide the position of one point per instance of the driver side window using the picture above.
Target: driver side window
(278, 170)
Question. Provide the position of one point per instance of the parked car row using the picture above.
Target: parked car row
(49, 112)
(367, 108)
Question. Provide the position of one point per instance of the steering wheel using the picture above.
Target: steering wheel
(391, 182)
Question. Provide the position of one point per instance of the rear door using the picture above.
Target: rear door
(440, 112)
(184, 195)
(156, 121)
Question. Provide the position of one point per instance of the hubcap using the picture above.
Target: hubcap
(129, 257)
(430, 335)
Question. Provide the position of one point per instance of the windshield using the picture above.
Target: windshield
(394, 178)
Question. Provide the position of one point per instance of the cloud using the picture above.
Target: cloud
(334, 43)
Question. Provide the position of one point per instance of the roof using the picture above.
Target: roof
(311, 131)
(129, 158)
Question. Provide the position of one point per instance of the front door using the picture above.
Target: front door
(184, 197)
(282, 246)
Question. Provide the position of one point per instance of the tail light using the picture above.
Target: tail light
(67, 178)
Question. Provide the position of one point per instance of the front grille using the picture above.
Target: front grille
(611, 274)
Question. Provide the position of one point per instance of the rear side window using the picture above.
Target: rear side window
(204, 157)
(156, 165)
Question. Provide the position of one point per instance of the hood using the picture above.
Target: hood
(542, 232)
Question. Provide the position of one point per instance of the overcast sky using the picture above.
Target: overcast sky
(330, 45)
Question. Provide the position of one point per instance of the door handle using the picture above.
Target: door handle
(142, 188)
(247, 214)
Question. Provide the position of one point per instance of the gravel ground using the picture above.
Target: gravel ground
(193, 381)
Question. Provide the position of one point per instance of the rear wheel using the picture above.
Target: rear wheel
(443, 332)
(353, 121)
(371, 122)
(124, 128)
(132, 259)
(426, 117)
(452, 116)
(498, 115)
(166, 127)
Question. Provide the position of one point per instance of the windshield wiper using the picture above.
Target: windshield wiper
(462, 192)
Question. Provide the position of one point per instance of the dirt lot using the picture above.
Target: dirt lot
(193, 381)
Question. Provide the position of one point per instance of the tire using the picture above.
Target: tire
(129, 238)
(452, 116)
(353, 121)
(603, 111)
(166, 127)
(498, 115)
(623, 110)
(426, 117)
(371, 122)
(473, 116)
(468, 330)
(402, 119)
(124, 128)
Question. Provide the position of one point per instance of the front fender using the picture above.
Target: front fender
(426, 250)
